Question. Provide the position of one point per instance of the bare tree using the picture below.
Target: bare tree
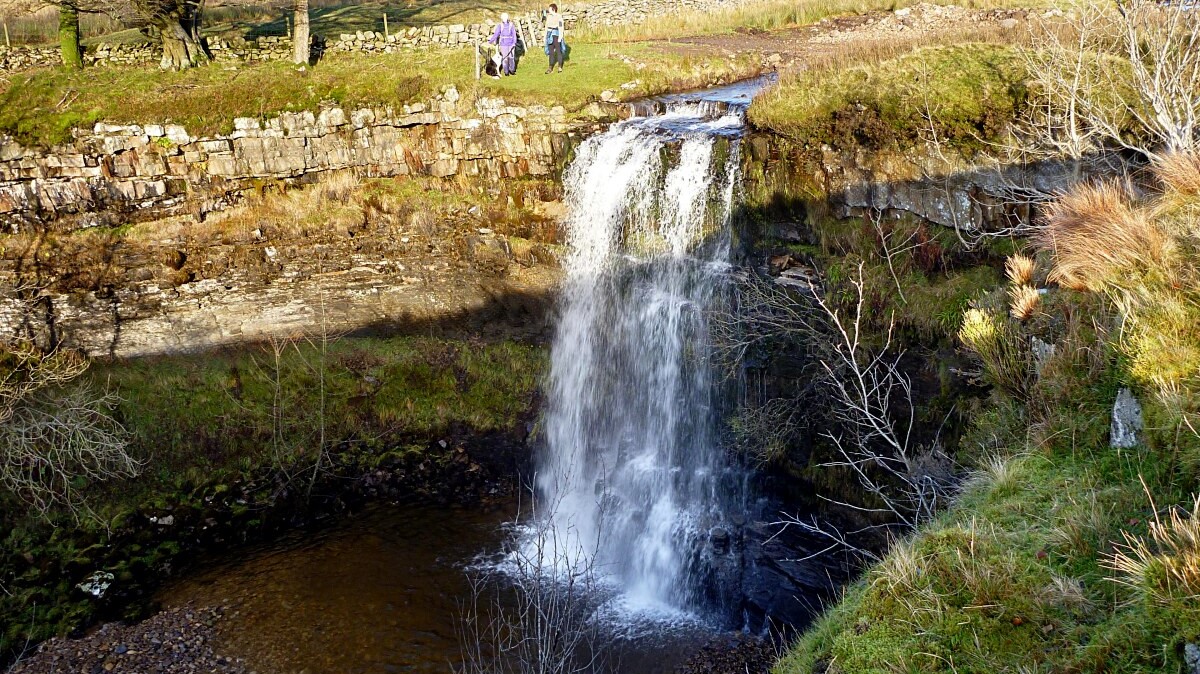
(1122, 75)
(68, 34)
(176, 23)
(300, 34)
(872, 411)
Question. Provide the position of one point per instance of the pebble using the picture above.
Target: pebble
(174, 641)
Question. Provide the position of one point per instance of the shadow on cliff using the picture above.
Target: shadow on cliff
(520, 315)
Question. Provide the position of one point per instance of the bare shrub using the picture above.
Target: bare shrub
(1094, 230)
(872, 412)
(55, 435)
(1165, 566)
(1120, 74)
(534, 613)
(765, 432)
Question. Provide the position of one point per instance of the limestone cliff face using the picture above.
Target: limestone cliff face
(114, 174)
(175, 286)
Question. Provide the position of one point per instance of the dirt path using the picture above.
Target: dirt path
(849, 39)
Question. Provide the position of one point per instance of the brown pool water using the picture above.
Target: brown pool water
(378, 594)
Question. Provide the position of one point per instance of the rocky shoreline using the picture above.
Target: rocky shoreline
(174, 641)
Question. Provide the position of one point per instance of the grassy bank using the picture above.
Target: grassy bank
(962, 95)
(1062, 553)
(42, 107)
(232, 441)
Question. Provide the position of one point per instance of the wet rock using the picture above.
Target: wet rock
(1191, 656)
(732, 654)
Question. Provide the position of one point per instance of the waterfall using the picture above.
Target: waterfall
(632, 475)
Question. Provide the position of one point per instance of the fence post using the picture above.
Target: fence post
(475, 47)
(386, 34)
(7, 42)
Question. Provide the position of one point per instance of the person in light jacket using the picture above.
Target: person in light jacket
(556, 36)
(505, 37)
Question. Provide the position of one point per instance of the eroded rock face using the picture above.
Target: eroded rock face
(940, 188)
(123, 297)
(116, 173)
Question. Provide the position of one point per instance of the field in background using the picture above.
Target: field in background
(255, 19)
(42, 106)
(333, 17)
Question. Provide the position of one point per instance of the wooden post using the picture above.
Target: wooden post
(7, 42)
(475, 46)
(386, 34)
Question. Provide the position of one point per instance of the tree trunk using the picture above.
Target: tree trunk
(68, 35)
(181, 43)
(300, 36)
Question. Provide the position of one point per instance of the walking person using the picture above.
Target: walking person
(505, 37)
(556, 35)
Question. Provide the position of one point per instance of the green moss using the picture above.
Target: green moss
(969, 93)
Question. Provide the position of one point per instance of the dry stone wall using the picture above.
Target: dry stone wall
(599, 14)
(112, 174)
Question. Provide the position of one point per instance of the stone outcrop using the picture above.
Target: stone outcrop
(115, 173)
(940, 188)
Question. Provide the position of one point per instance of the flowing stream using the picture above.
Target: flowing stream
(632, 478)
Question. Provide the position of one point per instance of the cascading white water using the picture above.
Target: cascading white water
(631, 474)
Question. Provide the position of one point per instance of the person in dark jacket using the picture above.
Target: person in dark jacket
(505, 37)
(556, 38)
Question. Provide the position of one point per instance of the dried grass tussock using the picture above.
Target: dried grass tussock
(1179, 172)
(1094, 230)
(1164, 566)
(1024, 302)
(1020, 270)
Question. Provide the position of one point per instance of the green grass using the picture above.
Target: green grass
(42, 107)
(1012, 578)
(970, 93)
(217, 424)
(206, 415)
(1019, 575)
(772, 15)
(328, 18)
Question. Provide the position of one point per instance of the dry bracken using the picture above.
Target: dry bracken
(1024, 301)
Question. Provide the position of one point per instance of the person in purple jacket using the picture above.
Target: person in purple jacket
(505, 37)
